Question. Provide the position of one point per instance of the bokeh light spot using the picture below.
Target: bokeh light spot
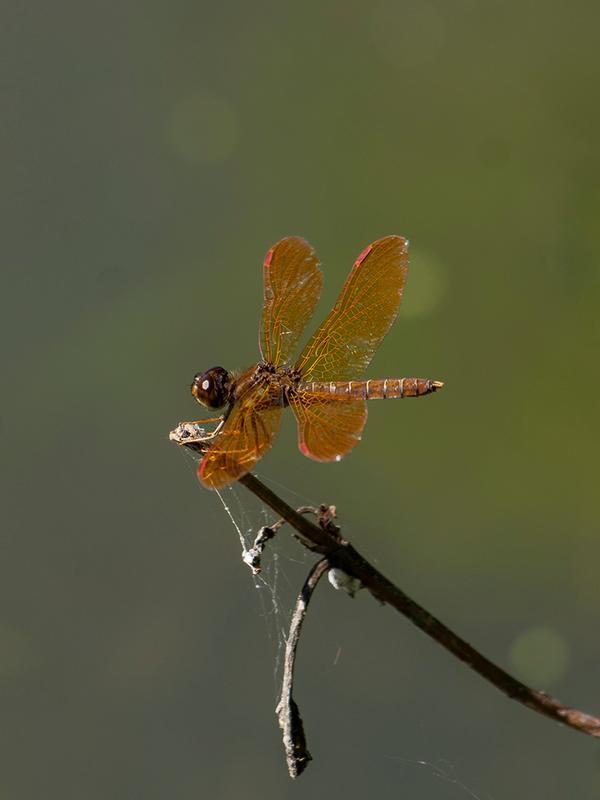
(540, 656)
(425, 287)
(203, 129)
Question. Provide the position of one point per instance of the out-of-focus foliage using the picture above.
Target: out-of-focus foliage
(151, 154)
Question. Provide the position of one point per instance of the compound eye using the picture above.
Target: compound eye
(210, 387)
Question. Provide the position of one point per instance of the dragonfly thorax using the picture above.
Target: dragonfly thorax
(211, 388)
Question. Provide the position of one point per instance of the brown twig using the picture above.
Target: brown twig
(326, 540)
(252, 557)
(297, 755)
(342, 555)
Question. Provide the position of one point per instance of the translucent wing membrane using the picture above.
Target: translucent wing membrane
(248, 432)
(292, 284)
(345, 343)
(328, 426)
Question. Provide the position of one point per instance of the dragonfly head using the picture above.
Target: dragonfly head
(211, 388)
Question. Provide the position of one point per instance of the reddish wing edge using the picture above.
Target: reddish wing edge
(328, 427)
(344, 344)
(291, 287)
(341, 349)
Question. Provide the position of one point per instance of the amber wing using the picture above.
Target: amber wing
(248, 432)
(328, 426)
(343, 346)
(292, 284)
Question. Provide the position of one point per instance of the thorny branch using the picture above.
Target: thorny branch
(338, 553)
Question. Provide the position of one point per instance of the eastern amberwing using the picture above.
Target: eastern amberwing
(324, 388)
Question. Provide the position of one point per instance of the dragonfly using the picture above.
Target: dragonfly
(325, 386)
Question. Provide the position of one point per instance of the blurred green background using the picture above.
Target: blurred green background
(151, 153)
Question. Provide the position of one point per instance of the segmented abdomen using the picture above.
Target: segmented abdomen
(384, 389)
